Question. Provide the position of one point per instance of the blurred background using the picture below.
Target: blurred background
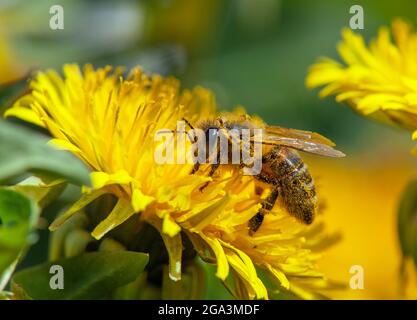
(255, 54)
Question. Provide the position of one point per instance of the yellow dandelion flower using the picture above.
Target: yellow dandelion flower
(110, 122)
(379, 80)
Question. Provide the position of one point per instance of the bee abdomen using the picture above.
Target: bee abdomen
(297, 188)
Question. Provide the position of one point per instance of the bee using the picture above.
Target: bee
(282, 167)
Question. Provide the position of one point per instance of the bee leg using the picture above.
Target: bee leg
(256, 221)
(267, 179)
(213, 169)
(195, 168)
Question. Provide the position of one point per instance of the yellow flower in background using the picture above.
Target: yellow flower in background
(110, 122)
(9, 69)
(366, 212)
(378, 80)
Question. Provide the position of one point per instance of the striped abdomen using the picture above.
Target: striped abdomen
(296, 185)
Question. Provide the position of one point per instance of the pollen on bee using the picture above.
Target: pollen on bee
(212, 146)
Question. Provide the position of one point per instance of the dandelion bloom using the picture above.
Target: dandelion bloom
(379, 80)
(110, 122)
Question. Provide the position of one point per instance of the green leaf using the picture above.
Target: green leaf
(407, 221)
(87, 276)
(41, 189)
(23, 150)
(10, 91)
(18, 214)
(215, 289)
(5, 295)
(136, 290)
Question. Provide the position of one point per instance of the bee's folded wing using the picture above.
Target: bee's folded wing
(297, 139)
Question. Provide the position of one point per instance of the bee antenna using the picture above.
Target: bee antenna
(188, 134)
(188, 123)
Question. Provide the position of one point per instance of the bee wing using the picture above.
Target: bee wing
(306, 141)
(299, 134)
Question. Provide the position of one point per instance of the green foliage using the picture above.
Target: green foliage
(17, 216)
(88, 276)
(23, 150)
(10, 91)
(42, 189)
(190, 287)
(59, 243)
(407, 221)
(215, 289)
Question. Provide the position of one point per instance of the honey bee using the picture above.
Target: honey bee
(282, 167)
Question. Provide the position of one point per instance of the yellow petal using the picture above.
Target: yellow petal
(169, 227)
(221, 259)
(25, 114)
(64, 145)
(280, 276)
(77, 206)
(247, 273)
(174, 248)
(140, 201)
(100, 179)
(122, 211)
